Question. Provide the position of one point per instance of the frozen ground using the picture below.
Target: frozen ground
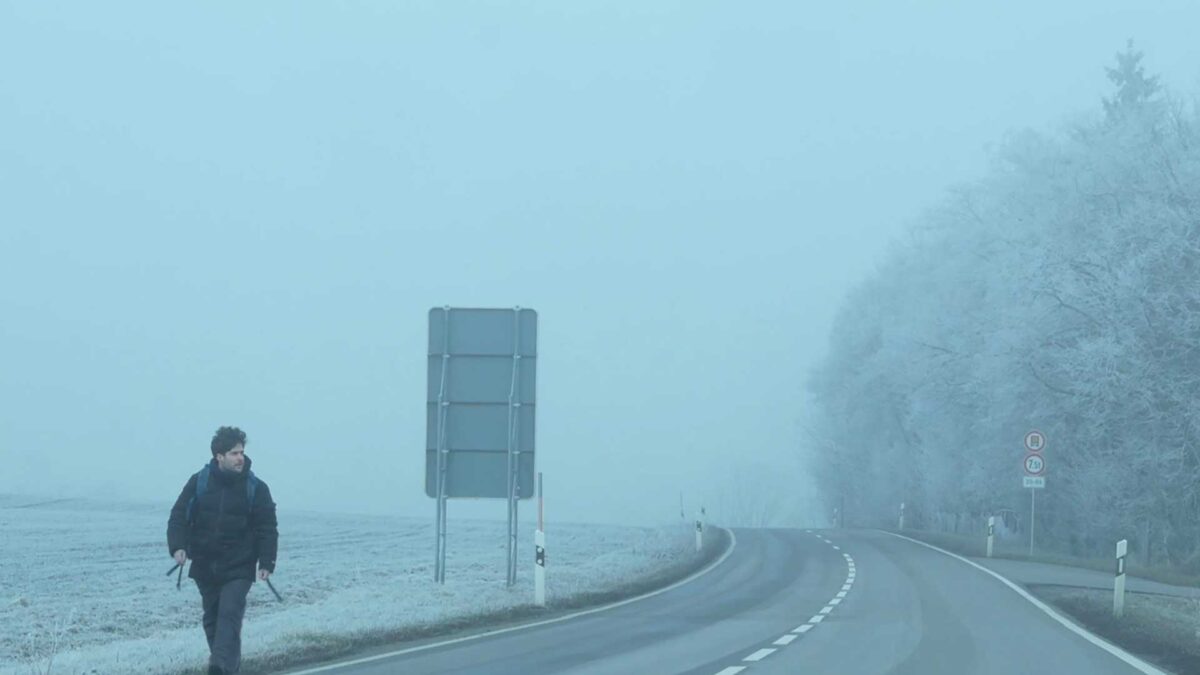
(83, 586)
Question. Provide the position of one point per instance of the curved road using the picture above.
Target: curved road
(788, 602)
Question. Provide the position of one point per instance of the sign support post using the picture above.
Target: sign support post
(1032, 517)
(514, 448)
(443, 404)
(1035, 472)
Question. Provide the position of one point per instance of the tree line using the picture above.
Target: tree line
(1061, 291)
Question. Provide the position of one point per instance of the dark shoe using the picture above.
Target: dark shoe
(216, 670)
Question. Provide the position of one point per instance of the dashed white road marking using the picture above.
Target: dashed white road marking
(817, 618)
(759, 655)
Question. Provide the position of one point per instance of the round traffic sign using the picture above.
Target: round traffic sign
(1035, 465)
(1035, 441)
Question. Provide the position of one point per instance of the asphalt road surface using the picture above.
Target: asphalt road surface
(794, 602)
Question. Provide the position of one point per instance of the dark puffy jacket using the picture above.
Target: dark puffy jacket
(228, 535)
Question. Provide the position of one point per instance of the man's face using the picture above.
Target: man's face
(233, 460)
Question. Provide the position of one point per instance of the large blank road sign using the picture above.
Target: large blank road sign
(481, 400)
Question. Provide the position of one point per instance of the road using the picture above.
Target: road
(790, 602)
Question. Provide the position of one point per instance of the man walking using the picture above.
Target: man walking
(224, 520)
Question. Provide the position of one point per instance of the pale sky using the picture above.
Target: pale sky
(231, 213)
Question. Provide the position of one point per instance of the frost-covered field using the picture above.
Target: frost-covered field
(83, 583)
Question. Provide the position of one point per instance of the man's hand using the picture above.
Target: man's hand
(180, 557)
(263, 574)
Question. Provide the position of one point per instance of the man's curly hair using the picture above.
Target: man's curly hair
(226, 438)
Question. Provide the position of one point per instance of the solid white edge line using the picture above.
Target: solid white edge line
(759, 655)
(732, 670)
(1091, 637)
(785, 640)
(802, 629)
(512, 629)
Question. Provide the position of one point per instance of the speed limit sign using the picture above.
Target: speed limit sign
(1035, 465)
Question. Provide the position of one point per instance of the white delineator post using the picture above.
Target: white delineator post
(991, 533)
(1119, 582)
(901, 515)
(539, 549)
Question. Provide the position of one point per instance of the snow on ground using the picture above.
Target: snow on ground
(85, 581)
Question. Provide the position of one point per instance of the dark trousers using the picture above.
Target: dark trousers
(224, 607)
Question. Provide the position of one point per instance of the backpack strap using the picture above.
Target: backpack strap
(251, 489)
(201, 488)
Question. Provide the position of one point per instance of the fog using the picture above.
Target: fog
(229, 214)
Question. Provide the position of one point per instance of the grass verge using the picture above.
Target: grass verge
(318, 648)
(1161, 629)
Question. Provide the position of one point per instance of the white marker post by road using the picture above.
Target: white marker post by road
(901, 516)
(991, 534)
(1119, 582)
(539, 548)
(700, 530)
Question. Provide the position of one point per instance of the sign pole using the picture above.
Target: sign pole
(442, 452)
(1035, 469)
(1032, 517)
(514, 447)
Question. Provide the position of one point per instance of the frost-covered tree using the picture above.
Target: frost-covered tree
(1134, 88)
(1061, 291)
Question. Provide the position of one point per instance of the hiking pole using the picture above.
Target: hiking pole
(272, 587)
(179, 581)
